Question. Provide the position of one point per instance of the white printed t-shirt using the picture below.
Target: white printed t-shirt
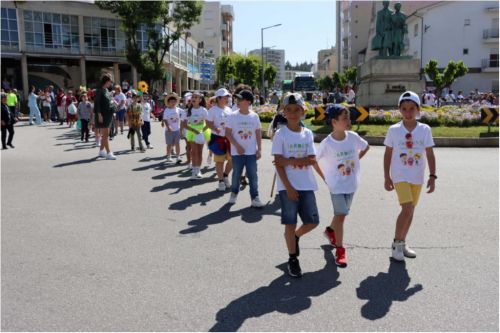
(219, 117)
(243, 129)
(118, 99)
(291, 144)
(339, 161)
(408, 155)
(197, 117)
(173, 118)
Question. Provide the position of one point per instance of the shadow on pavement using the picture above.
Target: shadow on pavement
(284, 295)
(201, 198)
(248, 215)
(182, 173)
(383, 289)
(83, 146)
(90, 160)
(180, 185)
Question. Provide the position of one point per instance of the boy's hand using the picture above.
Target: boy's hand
(240, 150)
(292, 194)
(389, 186)
(431, 185)
(99, 117)
(258, 154)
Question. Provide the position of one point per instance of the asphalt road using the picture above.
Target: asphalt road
(132, 245)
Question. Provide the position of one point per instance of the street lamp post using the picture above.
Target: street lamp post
(265, 58)
(262, 53)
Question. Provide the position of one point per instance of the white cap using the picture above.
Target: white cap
(293, 98)
(187, 96)
(222, 92)
(409, 96)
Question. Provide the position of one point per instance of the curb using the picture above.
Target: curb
(440, 142)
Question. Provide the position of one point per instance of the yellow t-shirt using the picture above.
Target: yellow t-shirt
(11, 99)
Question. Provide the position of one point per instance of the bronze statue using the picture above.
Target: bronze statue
(399, 29)
(383, 37)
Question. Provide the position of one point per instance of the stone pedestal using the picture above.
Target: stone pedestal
(382, 81)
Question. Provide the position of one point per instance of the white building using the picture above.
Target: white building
(215, 29)
(275, 57)
(326, 63)
(471, 35)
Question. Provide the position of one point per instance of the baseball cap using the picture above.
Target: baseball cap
(222, 92)
(293, 98)
(245, 95)
(197, 93)
(409, 96)
(334, 110)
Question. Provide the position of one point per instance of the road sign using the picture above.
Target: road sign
(489, 115)
(358, 114)
(319, 112)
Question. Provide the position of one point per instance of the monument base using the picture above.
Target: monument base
(382, 81)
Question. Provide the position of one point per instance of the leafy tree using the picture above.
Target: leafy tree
(270, 74)
(350, 75)
(445, 78)
(157, 18)
(247, 70)
(225, 69)
(325, 83)
(288, 65)
(339, 80)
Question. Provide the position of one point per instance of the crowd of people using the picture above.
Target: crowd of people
(232, 134)
(475, 98)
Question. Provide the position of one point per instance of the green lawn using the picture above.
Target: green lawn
(381, 130)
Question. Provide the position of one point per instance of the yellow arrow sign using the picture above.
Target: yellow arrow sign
(489, 115)
(319, 112)
(363, 113)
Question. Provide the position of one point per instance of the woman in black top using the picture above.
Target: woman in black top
(103, 109)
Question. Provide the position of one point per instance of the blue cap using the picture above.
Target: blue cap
(334, 110)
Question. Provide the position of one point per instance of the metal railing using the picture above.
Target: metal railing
(490, 33)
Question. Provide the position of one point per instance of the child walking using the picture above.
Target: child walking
(84, 114)
(134, 119)
(171, 121)
(294, 154)
(244, 133)
(195, 124)
(408, 145)
(338, 156)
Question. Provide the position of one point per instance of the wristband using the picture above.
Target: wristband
(433, 176)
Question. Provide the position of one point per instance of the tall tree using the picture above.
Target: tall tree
(270, 74)
(157, 18)
(247, 70)
(225, 69)
(445, 78)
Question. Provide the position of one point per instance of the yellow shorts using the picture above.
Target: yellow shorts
(222, 158)
(408, 193)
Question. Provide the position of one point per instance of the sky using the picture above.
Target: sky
(307, 27)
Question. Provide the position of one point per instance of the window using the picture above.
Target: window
(467, 22)
(10, 37)
(45, 31)
(103, 36)
(182, 44)
(415, 30)
(494, 60)
(465, 51)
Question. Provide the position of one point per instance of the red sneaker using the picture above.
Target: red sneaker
(330, 235)
(340, 258)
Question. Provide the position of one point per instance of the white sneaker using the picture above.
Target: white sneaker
(257, 203)
(397, 250)
(190, 167)
(110, 156)
(179, 160)
(199, 175)
(150, 147)
(227, 182)
(221, 187)
(232, 198)
(102, 153)
(169, 159)
(408, 252)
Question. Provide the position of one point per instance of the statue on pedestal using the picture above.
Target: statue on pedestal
(399, 29)
(390, 31)
(383, 37)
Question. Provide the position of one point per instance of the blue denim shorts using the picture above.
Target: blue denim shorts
(306, 208)
(341, 203)
(120, 115)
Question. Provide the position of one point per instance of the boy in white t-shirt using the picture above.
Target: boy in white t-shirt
(338, 156)
(408, 146)
(244, 133)
(171, 121)
(294, 156)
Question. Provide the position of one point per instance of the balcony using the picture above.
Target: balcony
(490, 35)
(489, 65)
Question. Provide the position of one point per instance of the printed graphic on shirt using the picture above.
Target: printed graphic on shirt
(346, 168)
(246, 130)
(298, 150)
(410, 158)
